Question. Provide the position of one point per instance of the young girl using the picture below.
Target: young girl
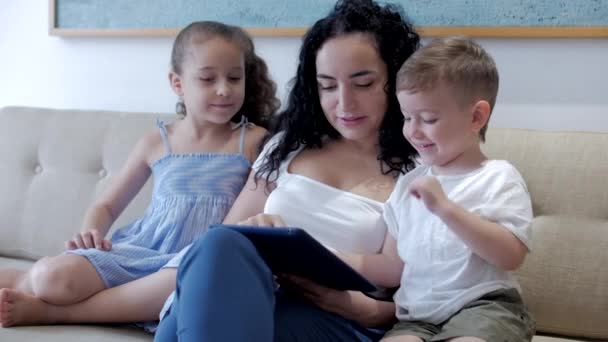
(199, 163)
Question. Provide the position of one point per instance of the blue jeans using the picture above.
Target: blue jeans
(226, 292)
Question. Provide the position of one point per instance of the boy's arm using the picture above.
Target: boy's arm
(491, 241)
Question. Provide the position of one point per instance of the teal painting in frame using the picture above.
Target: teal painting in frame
(479, 18)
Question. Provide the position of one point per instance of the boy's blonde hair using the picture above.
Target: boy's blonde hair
(461, 63)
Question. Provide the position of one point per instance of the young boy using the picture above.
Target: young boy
(461, 221)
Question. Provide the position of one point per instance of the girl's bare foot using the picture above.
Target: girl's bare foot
(18, 308)
(9, 277)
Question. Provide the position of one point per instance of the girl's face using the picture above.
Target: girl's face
(212, 82)
(351, 78)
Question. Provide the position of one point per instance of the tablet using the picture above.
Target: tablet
(293, 251)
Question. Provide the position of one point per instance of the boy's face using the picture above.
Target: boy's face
(443, 131)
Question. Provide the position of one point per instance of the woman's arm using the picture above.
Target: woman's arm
(383, 269)
(352, 305)
(370, 312)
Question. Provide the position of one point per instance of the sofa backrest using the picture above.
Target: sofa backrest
(53, 164)
(565, 277)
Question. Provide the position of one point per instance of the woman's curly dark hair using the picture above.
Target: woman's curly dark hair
(303, 120)
(261, 102)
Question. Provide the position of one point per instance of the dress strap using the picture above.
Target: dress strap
(163, 134)
(243, 124)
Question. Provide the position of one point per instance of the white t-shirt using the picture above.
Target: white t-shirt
(338, 219)
(442, 274)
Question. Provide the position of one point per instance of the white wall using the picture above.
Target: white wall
(545, 83)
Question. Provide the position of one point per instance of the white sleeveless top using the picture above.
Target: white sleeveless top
(338, 219)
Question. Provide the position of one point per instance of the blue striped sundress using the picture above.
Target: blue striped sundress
(191, 191)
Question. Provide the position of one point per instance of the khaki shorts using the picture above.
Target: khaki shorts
(499, 316)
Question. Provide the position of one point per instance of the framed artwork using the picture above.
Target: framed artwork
(478, 18)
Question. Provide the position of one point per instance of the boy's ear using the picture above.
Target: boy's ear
(176, 83)
(481, 115)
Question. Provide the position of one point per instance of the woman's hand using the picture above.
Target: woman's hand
(88, 239)
(328, 299)
(351, 305)
(264, 220)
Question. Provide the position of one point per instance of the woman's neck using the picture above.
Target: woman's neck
(367, 147)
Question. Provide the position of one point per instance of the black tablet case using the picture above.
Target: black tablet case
(289, 250)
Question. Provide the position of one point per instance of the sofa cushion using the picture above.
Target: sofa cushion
(554, 339)
(55, 165)
(564, 279)
(74, 333)
(19, 264)
(565, 171)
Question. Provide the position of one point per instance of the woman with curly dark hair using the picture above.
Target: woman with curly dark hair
(329, 168)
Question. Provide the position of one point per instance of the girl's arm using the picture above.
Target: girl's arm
(252, 198)
(250, 201)
(253, 139)
(100, 216)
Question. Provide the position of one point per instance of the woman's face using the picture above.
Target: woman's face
(351, 77)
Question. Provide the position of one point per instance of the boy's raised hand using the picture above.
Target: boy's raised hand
(88, 239)
(429, 191)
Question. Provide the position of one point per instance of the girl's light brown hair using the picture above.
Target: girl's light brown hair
(261, 102)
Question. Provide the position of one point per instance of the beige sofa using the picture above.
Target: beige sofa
(54, 162)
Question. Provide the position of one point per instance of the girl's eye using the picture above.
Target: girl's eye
(206, 79)
(234, 79)
(407, 119)
(430, 121)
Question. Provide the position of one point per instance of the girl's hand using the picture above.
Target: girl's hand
(264, 220)
(429, 191)
(88, 239)
(331, 300)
